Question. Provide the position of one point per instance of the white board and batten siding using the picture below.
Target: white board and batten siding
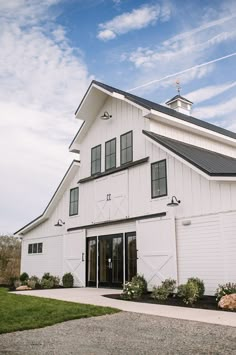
(206, 248)
(50, 260)
(210, 143)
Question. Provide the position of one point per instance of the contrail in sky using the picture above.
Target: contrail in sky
(182, 71)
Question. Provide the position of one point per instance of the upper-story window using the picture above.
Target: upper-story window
(74, 201)
(126, 147)
(159, 179)
(35, 248)
(96, 160)
(110, 154)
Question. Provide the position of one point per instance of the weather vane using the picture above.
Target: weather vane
(178, 87)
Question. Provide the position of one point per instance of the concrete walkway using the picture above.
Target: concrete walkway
(95, 296)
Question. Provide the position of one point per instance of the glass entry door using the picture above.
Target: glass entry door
(91, 263)
(111, 260)
(130, 256)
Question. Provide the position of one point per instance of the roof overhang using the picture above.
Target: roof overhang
(69, 175)
(91, 106)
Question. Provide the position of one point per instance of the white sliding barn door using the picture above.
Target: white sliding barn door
(74, 256)
(111, 197)
(156, 250)
(119, 195)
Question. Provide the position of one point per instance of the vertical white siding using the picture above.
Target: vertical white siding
(207, 249)
(192, 138)
(49, 261)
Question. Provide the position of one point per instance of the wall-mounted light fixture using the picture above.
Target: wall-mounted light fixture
(59, 223)
(174, 202)
(106, 116)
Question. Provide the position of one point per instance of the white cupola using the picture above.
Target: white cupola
(180, 104)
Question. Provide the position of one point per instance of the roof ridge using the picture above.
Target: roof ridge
(167, 110)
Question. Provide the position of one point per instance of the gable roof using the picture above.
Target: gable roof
(166, 110)
(211, 163)
(176, 97)
(57, 194)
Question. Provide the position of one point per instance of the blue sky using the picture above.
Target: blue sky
(52, 49)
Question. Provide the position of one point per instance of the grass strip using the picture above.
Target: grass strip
(19, 312)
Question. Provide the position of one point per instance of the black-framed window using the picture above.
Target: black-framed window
(110, 154)
(35, 248)
(96, 159)
(126, 148)
(74, 201)
(159, 178)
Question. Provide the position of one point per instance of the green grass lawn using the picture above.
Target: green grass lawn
(18, 312)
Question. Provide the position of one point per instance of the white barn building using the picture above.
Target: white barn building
(112, 216)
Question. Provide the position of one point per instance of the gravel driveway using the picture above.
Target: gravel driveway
(123, 333)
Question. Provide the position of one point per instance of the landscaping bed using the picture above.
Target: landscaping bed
(207, 302)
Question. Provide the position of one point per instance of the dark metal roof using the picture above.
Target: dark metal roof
(176, 97)
(213, 164)
(166, 110)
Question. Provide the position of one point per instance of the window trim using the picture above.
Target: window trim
(113, 139)
(159, 161)
(32, 248)
(100, 167)
(127, 162)
(70, 202)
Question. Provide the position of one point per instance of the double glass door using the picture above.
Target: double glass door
(105, 262)
(111, 260)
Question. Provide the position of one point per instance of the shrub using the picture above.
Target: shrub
(163, 291)
(160, 293)
(200, 285)
(135, 289)
(188, 292)
(140, 282)
(50, 280)
(17, 283)
(226, 289)
(24, 277)
(34, 282)
(68, 280)
(47, 283)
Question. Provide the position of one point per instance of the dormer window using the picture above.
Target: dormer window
(96, 160)
(126, 148)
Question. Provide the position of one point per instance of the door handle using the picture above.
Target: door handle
(109, 264)
(82, 256)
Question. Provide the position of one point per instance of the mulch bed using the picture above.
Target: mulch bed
(207, 302)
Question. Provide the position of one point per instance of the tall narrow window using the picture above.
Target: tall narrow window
(159, 179)
(74, 201)
(126, 147)
(96, 160)
(110, 154)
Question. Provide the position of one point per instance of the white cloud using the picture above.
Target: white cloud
(42, 80)
(218, 110)
(209, 92)
(134, 20)
(185, 50)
